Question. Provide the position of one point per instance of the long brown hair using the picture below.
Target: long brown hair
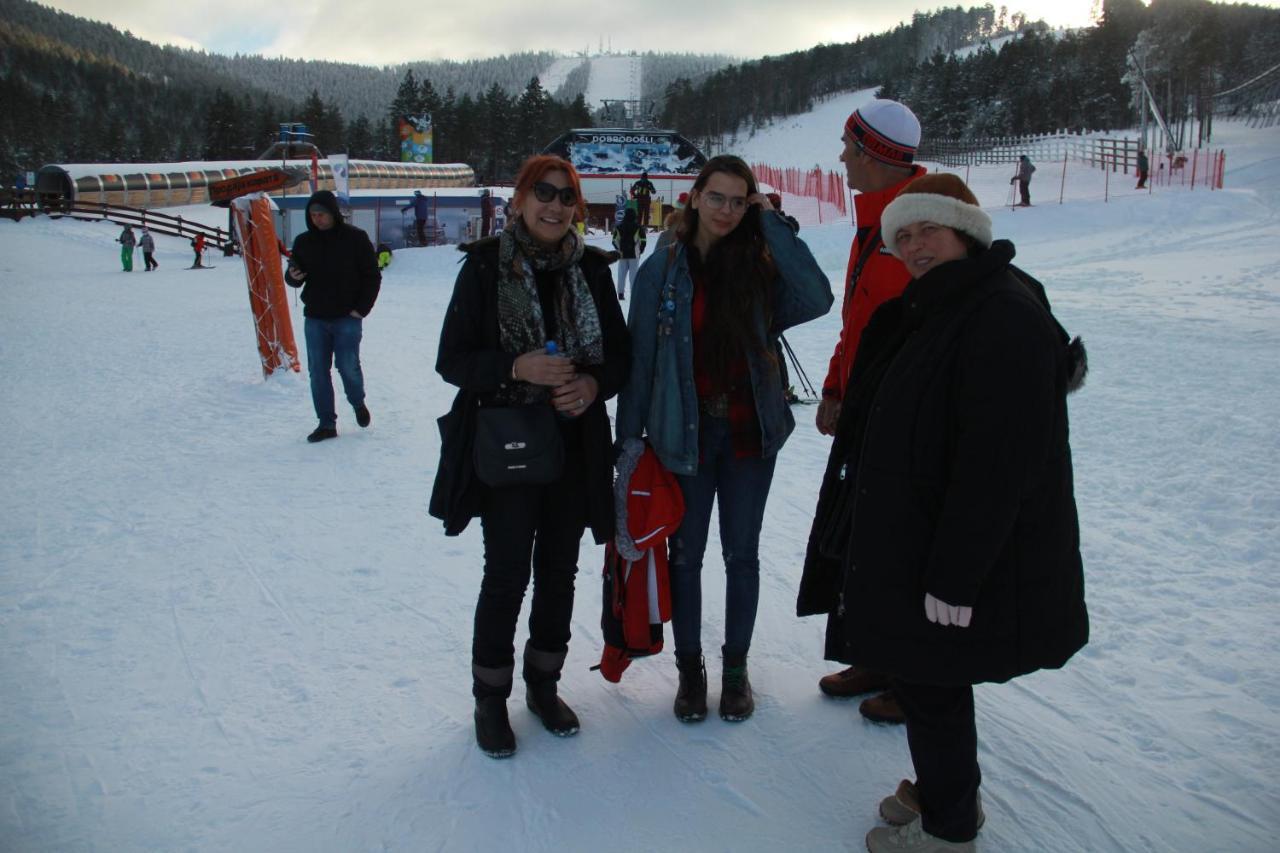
(739, 275)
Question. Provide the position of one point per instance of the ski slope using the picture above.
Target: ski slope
(614, 78)
(220, 638)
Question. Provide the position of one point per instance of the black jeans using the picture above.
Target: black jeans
(943, 740)
(526, 527)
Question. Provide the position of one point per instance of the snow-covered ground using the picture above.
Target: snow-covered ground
(218, 637)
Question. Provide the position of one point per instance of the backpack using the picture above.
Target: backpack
(636, 597)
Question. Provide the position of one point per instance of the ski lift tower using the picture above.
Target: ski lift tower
(296, 141)
(629, 114)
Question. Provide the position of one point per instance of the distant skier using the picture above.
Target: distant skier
(1144, 168)
(148, 245)
(642, 191)
(629, 239)
(421, 211)
(1023, 177)
(127, 241)
(197, 244)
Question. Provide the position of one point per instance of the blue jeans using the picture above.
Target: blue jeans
(332, 342)
(741, 487)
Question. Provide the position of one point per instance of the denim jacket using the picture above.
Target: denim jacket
(660, 399)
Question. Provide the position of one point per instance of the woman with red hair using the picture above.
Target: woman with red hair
(533, 285)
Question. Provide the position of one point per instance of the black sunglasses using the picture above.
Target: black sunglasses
(544, 192)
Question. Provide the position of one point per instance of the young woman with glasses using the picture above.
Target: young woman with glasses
(536, 282)
(706, 390)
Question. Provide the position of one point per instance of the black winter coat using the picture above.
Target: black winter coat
(951, 474)
(471, 357)
(340, 264)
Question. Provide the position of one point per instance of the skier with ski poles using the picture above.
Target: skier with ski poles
(1023, 177)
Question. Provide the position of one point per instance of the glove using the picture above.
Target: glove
(946, 614)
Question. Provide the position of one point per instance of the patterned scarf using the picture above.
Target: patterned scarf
(520, 323)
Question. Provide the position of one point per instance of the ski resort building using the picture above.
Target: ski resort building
(610, 160)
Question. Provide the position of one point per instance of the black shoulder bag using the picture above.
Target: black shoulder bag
(518, 445)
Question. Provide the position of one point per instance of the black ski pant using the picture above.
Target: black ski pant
(149, 261)
(1024, 187)
(529, 530)
(943, 739)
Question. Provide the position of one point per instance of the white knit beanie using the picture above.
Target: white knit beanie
(941, 198)
(887, 130)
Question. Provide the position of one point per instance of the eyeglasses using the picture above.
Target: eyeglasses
(715, 201)
(545, 192)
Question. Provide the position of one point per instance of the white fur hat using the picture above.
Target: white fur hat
(941, 198)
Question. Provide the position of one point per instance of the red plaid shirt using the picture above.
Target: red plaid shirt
(744, 423)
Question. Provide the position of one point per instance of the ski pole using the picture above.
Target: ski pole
(805, 384)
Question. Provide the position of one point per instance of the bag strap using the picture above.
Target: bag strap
(873, 240)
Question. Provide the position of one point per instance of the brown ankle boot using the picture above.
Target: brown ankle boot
(691, 696)
(736, 701)
(883, 708)
(853, 681)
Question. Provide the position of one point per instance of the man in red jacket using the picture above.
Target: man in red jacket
(880, 141)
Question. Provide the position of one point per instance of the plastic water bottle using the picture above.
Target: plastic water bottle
(552, 349)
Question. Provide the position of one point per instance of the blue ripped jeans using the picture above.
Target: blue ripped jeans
(741, 488)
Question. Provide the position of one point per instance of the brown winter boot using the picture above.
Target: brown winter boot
(691, 696)
(853, 681)
(736, 701)
(883, 708)
(541, 672)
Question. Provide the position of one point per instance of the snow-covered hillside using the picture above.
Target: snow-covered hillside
(614, 78)
(218, 637)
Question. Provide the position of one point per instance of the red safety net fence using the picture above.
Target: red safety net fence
(1196, 167)
(261, 250)
(812, 196)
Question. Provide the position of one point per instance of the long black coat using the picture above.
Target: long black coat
(951, 474)
(471, 357)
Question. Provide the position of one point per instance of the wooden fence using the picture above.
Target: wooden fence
(1120, 155)
(16, 204)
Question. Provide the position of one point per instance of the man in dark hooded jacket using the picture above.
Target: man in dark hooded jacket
(335, 266)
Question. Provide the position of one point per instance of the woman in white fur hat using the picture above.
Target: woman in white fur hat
(945, 545)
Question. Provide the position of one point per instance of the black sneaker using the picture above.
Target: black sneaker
(493, 729)
(321, 433)
(362, 415)
(691, 696)
(736, 702)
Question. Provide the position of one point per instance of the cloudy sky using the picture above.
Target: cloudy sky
(379, 32)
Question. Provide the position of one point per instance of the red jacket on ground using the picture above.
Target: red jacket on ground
(883, 277)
